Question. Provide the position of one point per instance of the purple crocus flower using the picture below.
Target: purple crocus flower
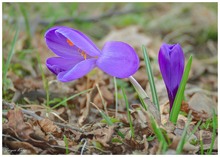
(77, 55)
(171, 62)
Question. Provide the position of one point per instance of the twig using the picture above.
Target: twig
(35, 116)
(84, 145)
(68, 126)
(32, 114)
(93, 19)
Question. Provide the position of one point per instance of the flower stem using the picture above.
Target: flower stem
(116, 97)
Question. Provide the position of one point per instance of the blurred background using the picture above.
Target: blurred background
(193, 25)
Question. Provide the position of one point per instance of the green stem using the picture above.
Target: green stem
(116, 97)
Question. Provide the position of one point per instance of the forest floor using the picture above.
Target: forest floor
(41, 115)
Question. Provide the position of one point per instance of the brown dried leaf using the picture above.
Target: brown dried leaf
(187, 146)
(134, 145)
(191, 149)
(48, 127)
(143, 117)
(21, 147)
(153, 150)
(103, 135)
(107, 94)
(202, 106)
(198, 68)
(85, 110)
(17, 124)
(206, 137)
(169, 126)
(146, 145)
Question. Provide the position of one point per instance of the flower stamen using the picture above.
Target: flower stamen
(69, 42)
(84, 55)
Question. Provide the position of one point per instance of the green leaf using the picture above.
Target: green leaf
(112, 119)
(201, 145)
(151, 78)
(142, 102)
(180, 93)
(194, 129)
(214, 125)
(150, 138)
(107, 118)
(159, 134)
(97, 144)
(183, 137)
(116, 140)
(120, 134)
(66, 144)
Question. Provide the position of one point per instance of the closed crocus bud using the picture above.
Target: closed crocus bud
(171, 62)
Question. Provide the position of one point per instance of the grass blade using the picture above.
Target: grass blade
(27, 25)
(11, 52)
(104, 116)
(159, 134)
(201, 144)
(66, 144)
(108, 120)
(71, 97)
(128, 113)
(151, 78)
(180, 93)
(214, 125)
(194, 129)
(45, 81)
(183, 137)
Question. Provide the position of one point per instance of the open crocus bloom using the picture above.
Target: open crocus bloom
(78, 55)
(171, 62)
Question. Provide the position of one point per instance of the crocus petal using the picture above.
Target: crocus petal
(58, 64)
(118, 59)
(80, 40)
(171, 62)
(58, 44)
(79, 70)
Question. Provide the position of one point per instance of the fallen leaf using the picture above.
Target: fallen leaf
(17, 146)
(191, 149)
(206, 137)
(198, 68)
(48, 127)
(107, 94)
(17, 124)
(103, 135)
(202, 106)
(85, 110)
